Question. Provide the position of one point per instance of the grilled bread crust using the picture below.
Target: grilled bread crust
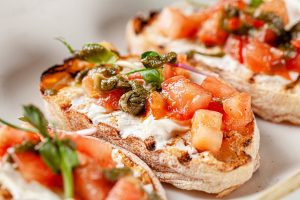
(203, 173)
(269, 102)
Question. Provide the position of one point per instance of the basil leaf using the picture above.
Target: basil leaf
(36, 118)
(64, 42)
(116, 173)
(256, 3)
(50, 154)
(149, 53)
(152, 76)
(97, 53)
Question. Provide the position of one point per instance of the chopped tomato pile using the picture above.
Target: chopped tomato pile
(253, 33)
(89, 180)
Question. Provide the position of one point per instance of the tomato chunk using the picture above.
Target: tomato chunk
(261, 57)
(10, 137)
(211, 33)
(206, 130)
(110, 100)
(234, 47)
(174, 24)
(90, 183)
(126, 189)
(218, 88)
(185, 97)
(98, 150)
(158, 105)
(294, 63)
(33, 168)
(237, 111)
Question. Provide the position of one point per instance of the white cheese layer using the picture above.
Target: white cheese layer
(22, 189)
(162, 130)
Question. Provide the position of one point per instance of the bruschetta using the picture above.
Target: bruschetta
(193, 129)
(41, 163)
(254, 46)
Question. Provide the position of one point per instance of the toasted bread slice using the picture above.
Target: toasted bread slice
(14, 186)
(176, 162)
(274, 98)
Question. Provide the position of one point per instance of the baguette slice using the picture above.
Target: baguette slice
(273, 98)
(14, 186)
(174, 163)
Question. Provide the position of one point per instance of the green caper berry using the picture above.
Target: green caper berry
(108, 84)
(80, 75)
(170, 57)
(132, 102)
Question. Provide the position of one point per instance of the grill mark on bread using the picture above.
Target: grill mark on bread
(141, 21)
(5, 194)
(293, 84)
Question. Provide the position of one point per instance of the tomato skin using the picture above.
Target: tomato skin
(33, 168)
(294, 63)
(92, 147)
(237, 111)
(211, 33)
(233, 24)
(10, 137)
(234, 47)
(185, 97)
(110, 100)
(158, 105)
(206, 130)
(127, 186)
(296, 43)
(218, 88)
(169, 71)
(90, 183)
(261, 57)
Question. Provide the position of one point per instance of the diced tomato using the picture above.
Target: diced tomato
(185, 97)
(33, 168)
(261, 57)
(158, 105)
(126, 189)
(218, 88)
(110, 100)
(10, 137)
(216, 105)
(237, 111)
(278, 7)
(134, 76)
(234, 47)
(268, 36)
(206, 130)
(89, 88)
(294, 63)
(211, 32)
(174, 24)
(233, 23)
(90, 182)
(96, 149)
(296, 43)
(168, 71)
(257, 23)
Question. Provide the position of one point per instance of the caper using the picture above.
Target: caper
(108, 84)
(170, 57)
(97, 78)
(80, 75)
(152, 62)
(132, 102)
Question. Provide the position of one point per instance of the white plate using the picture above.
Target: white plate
(27, 48)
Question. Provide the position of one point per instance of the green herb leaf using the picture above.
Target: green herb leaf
(149, 53)
(64, 42)
(69, 160)
(256, 3)
(152, 76)
(26, 146)
(50, 154)
(15, 126)
(96, 53)
(36, 118)
(116, 173)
